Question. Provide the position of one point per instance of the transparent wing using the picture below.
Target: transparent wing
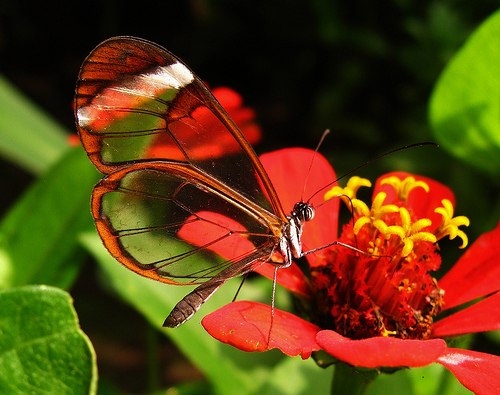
(134, 96)
(163, 220)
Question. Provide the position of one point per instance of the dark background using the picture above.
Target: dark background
(363, 69)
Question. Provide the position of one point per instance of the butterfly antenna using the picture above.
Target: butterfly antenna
(320, 143)
(364, 164)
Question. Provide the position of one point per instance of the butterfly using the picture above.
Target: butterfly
(133, 95)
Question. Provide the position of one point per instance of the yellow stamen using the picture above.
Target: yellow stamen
(348, 193)
(404, 187)
(413, 231)
(408, 232)
(374, 214)
(360, 222)
(379, 209)
(390, 230)
(360, 208)
(387, 333)
(449, 226)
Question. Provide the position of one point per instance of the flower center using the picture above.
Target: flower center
(383, 286)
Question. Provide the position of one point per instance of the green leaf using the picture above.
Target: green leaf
(464, 105)
(233, 368)
(42, 348)
(38, 241)
(28, 137)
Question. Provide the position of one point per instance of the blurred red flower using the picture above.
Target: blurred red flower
(194, 133)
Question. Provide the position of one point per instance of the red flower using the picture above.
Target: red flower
(376, 304)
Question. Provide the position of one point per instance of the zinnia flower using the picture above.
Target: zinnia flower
(371, 299)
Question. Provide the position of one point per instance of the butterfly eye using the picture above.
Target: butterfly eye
(303, 211)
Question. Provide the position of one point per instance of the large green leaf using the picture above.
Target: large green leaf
(464, 109)
(38, 241)
(28, 137)
(42, 348)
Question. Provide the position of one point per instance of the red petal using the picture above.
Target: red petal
(297, 174)
(245, 325)
(480, 317)
(378, 352)
(201, 233)
(475, 370)
(421, 203)
(477, 272)
(292, 278)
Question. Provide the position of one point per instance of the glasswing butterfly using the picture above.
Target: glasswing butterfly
(131, 95)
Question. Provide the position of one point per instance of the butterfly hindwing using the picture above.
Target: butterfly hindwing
(148, 213)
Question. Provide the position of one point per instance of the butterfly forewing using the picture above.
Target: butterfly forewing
(182, 182)
(136, 102)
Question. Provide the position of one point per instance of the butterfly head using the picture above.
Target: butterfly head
(303, 211)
